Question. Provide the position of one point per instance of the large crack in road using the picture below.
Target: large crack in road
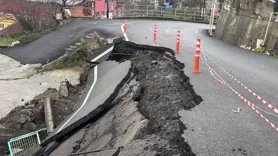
(144, 116)
(163, 91)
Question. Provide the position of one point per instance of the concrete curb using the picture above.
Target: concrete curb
(163, 19)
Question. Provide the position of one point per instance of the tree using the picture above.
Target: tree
(64, 2)
(221, 3)
(34, 15)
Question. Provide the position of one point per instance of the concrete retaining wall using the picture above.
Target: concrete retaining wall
(247, 22)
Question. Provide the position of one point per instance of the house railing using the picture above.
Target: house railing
(187, 14)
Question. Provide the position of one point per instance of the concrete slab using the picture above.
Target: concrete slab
(107, 76)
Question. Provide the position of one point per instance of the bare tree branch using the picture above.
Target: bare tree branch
(34, 15)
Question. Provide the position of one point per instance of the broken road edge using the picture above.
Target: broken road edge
(51, 143)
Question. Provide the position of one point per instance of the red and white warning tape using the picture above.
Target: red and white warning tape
(244, 86)
(222, 81)
(156, 42)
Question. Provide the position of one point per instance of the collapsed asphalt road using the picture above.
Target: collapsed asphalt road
(212, 124)
(141, 116)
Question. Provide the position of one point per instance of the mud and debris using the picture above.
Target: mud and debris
(144, 117)
(32, 113)
(29, 115)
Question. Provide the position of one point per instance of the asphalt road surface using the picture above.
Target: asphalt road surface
(52, 45)
(212, 127)
(104, 78)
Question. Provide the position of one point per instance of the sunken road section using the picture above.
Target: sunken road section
(154, 90)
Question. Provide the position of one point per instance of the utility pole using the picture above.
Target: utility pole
(48, 115)
(107, 9)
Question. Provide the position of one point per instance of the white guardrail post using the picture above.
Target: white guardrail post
(194, 15)
(212, 19)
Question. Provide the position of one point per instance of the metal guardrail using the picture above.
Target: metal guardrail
(187, 14)
(19, 144)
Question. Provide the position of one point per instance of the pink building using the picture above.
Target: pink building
(99, 6)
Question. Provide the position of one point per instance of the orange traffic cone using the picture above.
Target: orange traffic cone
(197, 56)
(154, 33)
(125, 27)
(178, 42)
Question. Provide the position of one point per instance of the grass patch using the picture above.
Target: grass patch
(31, 36)
(76, 59)
(260, 50)
(271, 52)
(6, 41)
(24, 38)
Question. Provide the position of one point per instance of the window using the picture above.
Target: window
(1, 25)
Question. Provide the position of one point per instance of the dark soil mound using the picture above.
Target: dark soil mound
(158, 88)
(164, 91)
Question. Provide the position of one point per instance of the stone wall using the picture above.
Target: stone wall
(245, 22)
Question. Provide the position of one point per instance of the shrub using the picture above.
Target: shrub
(33, 16)
(260, 50)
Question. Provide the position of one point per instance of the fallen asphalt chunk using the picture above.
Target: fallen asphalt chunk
(149, 95)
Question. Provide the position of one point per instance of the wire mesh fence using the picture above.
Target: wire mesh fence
(19, 144)
(187, 14)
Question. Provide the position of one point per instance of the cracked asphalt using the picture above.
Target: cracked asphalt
(212, 127)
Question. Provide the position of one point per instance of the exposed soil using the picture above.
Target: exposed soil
(143, 116)
(164, 90)
(31, 117)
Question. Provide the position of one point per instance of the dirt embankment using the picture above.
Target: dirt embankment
(31, 117)
(144, 120)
